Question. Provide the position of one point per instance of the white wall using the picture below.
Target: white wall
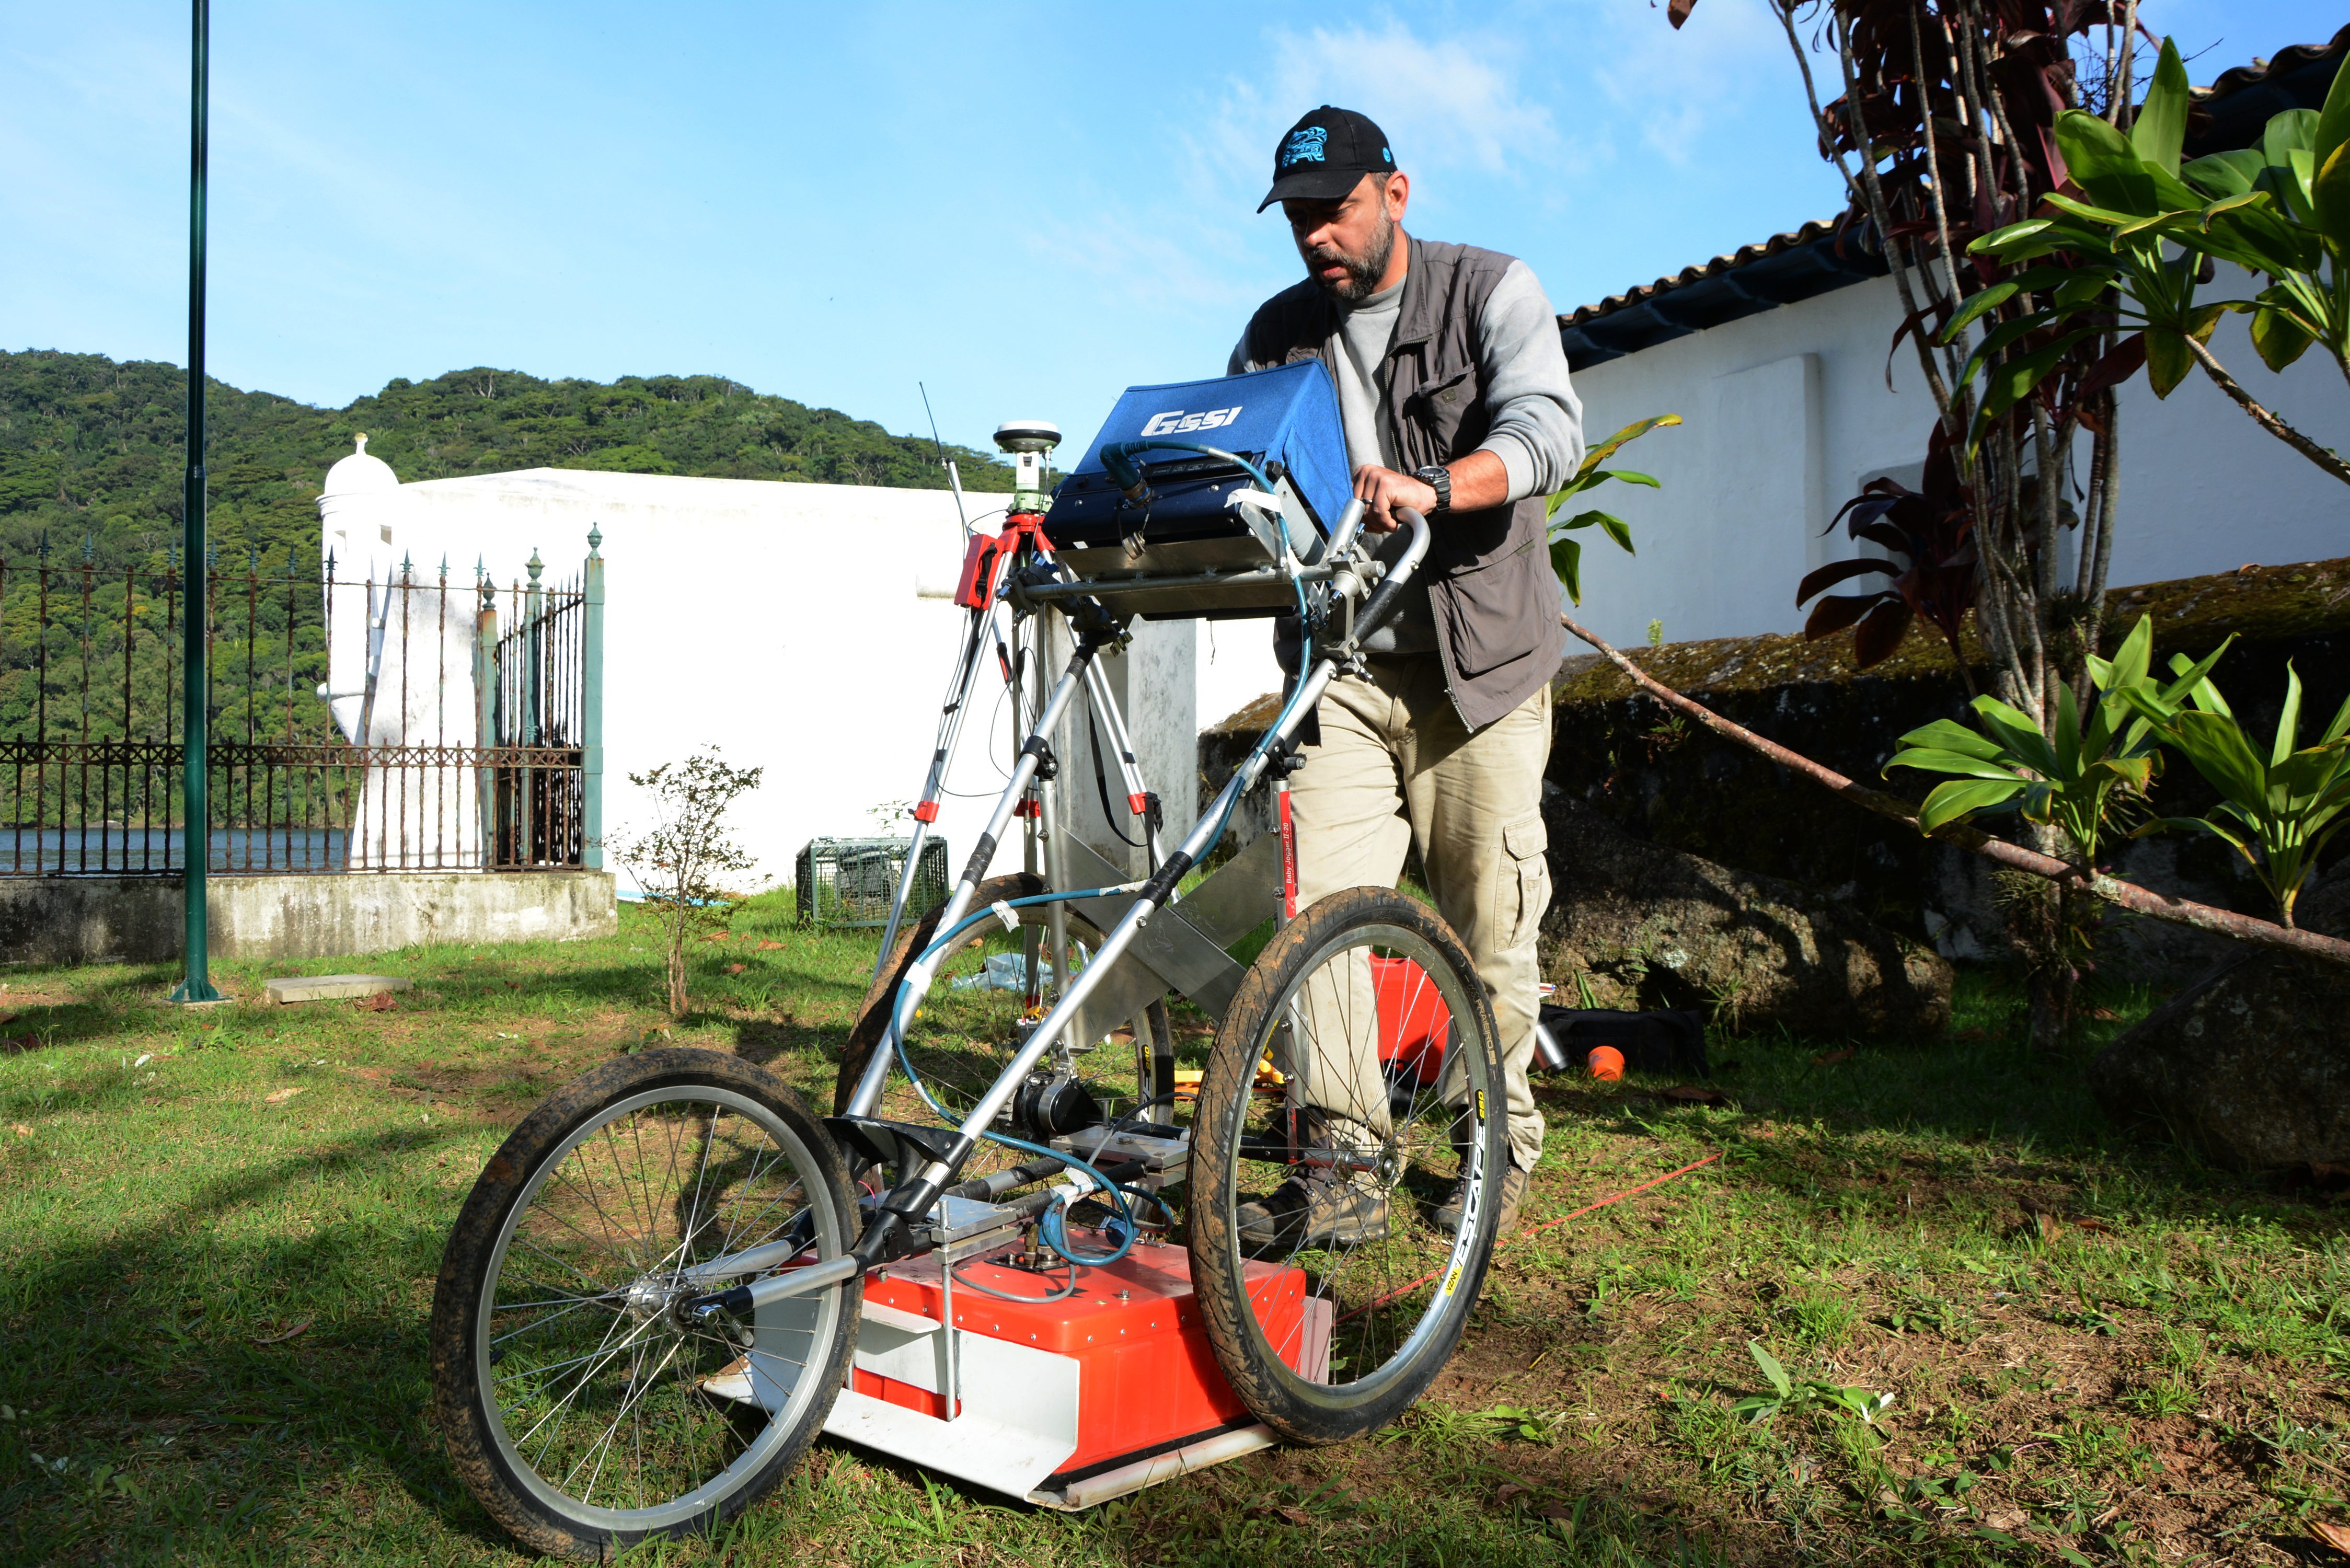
(1787, 413)
(807, 628)
(1236, 666)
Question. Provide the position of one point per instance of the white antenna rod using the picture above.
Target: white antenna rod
(954, 483)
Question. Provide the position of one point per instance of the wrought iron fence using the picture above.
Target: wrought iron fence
(355, 724)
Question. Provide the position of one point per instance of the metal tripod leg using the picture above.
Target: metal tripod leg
(1130, 771)
(949, 731)
(1024, 770)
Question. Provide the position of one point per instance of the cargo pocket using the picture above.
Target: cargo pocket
(1525, 889)
(1489, 616)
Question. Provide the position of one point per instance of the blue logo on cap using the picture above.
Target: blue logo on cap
(1304, 146)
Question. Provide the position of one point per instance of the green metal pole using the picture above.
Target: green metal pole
(196, 838)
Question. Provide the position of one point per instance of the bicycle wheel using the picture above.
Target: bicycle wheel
(973, 1021)
(1331, 1296)
(580, 1407)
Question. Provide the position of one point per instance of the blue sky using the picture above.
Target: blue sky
(1028, 208)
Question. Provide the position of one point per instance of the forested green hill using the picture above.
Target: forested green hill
(92, 450)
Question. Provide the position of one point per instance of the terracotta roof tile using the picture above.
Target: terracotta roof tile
(2239, 79)
(1744, 256)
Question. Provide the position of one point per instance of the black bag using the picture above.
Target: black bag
(1668, 1043)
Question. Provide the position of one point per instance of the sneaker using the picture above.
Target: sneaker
(1304, 1213)
(1513, 1198)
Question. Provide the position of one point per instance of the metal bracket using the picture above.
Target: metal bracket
(1182, 948)
(903, 1146)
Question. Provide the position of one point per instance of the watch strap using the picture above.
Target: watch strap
(1439, 478)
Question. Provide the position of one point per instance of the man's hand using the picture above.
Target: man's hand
(1382, 490)
(1480, 480)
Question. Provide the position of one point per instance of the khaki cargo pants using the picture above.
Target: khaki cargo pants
(1395, 767)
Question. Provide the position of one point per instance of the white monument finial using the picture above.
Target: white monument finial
(362, 443)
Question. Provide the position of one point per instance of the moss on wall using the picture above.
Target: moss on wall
(1669, 780)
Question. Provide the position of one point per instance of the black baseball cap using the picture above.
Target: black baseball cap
(1326, 155)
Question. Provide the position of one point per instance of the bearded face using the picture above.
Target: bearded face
(1347, 244)
(1360, 270)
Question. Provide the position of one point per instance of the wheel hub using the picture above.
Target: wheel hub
(649, 1297)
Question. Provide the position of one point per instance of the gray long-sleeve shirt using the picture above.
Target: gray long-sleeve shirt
(1537, 420)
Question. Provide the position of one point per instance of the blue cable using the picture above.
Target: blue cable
(1125, 1214)
(989, 913)
(1281, 521)
(1054, 1235)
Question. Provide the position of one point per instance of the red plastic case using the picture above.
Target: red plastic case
(1148, 1377)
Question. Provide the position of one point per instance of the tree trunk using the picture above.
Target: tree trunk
(677, 1000)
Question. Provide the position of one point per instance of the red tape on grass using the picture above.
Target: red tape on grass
(1403, 1291)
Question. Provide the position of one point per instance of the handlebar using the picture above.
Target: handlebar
(1389, 592)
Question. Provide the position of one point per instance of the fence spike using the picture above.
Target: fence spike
(289, 561)
(45, 546)
(444, 569)
(330, 564)
(407, 567)
(89, 549)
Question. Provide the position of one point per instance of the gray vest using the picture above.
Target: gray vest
(1491, 590)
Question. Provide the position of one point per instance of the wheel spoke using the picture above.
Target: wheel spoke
(1330, 1012)
(595, 1391)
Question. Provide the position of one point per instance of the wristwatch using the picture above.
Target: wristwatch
(1439, 478)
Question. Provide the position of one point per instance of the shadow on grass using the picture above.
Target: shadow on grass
(138, 1352)
(1980, 1101)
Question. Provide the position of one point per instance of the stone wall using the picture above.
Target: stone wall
(141, 920)
(1672, 782)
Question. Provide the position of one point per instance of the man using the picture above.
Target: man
(1453, 385)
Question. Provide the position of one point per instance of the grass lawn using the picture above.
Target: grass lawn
(219, 1232)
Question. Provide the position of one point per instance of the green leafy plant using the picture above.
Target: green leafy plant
(1790, 1396)
(681, 859)
(1566, 554)
(2278, 813)
(2073, 774)
(1525, 1424)
(2134, 244)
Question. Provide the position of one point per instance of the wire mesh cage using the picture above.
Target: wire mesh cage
(851, 881)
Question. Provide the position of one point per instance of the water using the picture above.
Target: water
(153, 851)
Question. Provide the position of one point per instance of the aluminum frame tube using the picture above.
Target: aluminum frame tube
(918, 978)
(1114, 945)
(1203, 836)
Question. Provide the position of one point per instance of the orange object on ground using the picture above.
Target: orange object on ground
(1149, 1378)
(1413, 1019)
(1606, 1061)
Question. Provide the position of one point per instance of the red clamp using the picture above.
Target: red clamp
(984, 557)
(927, 812)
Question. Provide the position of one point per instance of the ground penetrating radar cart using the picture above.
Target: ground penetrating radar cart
(995, 1258)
